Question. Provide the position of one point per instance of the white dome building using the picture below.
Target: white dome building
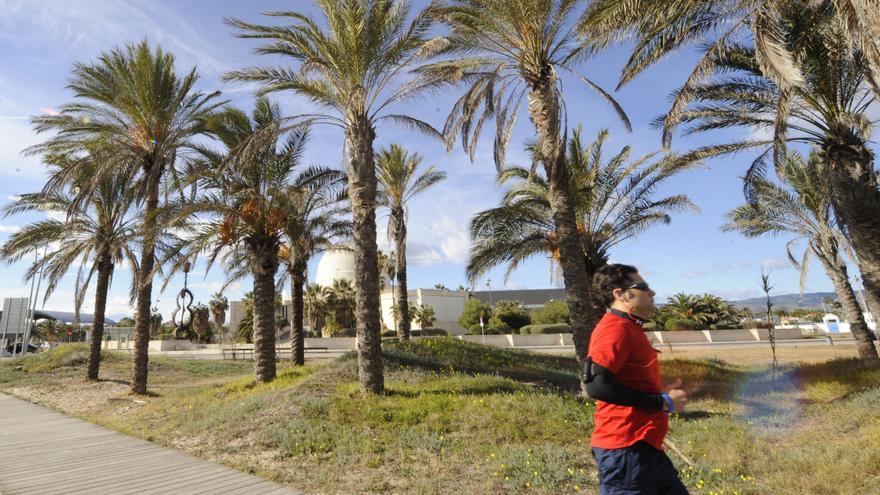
(335, 264)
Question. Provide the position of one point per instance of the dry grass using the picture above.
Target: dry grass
(760, 355)
(463, 418)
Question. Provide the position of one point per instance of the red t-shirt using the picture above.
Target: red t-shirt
(620, 346)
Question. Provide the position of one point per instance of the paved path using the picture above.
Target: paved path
(43, 452)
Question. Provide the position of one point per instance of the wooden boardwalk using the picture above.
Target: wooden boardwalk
(43, 452)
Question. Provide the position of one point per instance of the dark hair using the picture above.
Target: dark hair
(608, 278)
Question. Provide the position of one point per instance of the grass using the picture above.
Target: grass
(460, 417)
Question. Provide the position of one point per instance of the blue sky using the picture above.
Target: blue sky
(40, 40)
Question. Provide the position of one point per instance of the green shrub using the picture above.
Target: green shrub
(552, 312)
(674, 324)
(493, 327)
(433, 332)
(545, 329)
(473, 310)
(334, 331)
(725, 326)
(512, 314)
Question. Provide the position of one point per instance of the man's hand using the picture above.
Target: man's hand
(677, 395)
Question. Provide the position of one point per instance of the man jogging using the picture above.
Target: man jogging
(623, 375)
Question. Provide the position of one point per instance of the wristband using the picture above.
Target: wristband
(669, 402)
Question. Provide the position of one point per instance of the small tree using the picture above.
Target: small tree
(553, 312)
(512, 313)
(155, 322)
(771, 334)
(474, 309)
(424, 316)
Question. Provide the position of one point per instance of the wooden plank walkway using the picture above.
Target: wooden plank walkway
(43, 452)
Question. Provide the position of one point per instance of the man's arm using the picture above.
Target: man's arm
(602, 386)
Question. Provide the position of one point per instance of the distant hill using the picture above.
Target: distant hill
(786, 301)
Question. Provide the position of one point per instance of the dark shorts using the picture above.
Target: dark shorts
(637, 469)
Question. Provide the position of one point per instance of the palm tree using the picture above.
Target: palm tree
(95, 235)
(315, 299)
(218, 305)
(201, 323)
(400, 181)
(341, 300)
(505, 52)
(313, 223)
(424, 316)
(613, 201)
(350, 64)
(245, 330)
(241, 206)
(828, 111)
(803, 209)
(661, 28)
(130, 106)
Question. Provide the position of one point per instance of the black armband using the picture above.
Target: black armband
(602, 386)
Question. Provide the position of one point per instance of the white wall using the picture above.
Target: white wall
(448, 306)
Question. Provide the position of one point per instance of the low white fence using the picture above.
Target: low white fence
(343, 344)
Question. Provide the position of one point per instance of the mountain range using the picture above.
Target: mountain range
(786, 301)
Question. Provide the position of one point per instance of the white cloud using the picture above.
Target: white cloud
(775, 264)
(56, 215)
(10, 229)
(85, 27)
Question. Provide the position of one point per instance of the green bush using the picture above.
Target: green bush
(334, 331)
(388, 333)
(725, 326)
(473, 310)
(433, 332)
(545, 329)
(552, 312)
(674, 324)
(512, 314)
(493, 327)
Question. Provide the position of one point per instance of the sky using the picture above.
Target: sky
(41, 40)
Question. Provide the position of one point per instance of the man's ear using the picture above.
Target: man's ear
(616, 293)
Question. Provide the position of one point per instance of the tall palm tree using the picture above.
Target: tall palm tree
(828, 111)
(802, 208)
(661, 28)
(350, 63)
(95, 235)
(614, 200)
(243, 197)
(506, 52)
(313, 222)
(218, 305)
(130, 105)
(399, 181)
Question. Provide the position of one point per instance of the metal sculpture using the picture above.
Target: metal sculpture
(184, 307)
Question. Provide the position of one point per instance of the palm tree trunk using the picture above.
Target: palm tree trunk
(359, 136)
(545, 114)
(105, 271)
(403, 321)
(265, 254)
(856, 199)
(297, 337)
(145, 283)
(836, 269)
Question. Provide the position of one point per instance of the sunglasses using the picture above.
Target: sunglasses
(642, 286)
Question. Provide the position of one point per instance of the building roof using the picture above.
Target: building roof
(529, 297)
(66, 317)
